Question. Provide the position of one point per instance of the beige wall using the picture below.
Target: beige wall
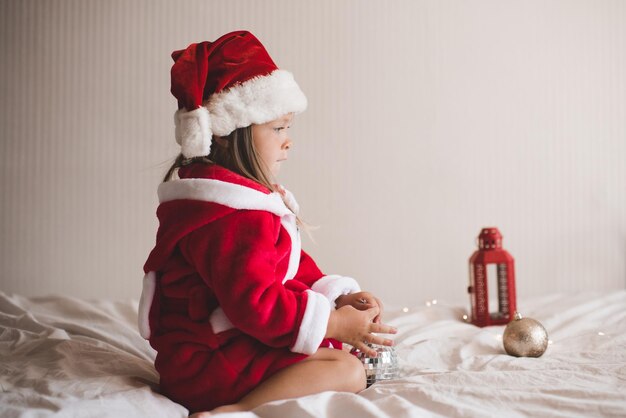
(427, 120)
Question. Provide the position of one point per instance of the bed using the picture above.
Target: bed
(70, 357)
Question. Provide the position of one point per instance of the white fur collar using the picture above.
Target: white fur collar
(232, 195)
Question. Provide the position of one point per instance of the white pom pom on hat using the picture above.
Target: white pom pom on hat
(192, 130)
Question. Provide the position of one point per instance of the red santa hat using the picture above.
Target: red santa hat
(228, 84)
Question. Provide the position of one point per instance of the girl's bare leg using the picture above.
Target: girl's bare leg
(327, 369)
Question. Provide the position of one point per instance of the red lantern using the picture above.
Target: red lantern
(491, 261)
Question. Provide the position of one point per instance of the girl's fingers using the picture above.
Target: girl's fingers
(375, 339)
(383, 329)
(364, 306)
(380, 306)
(362, 302)
(376, 303)
(373, 312)
(363, 348)
(362, 299)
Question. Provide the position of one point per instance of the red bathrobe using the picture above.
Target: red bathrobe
(229, 297)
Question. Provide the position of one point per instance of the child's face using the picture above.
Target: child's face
(272, 141)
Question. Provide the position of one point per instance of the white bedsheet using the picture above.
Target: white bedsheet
(70, 357)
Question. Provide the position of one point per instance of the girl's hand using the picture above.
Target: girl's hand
(355, 327)
(361, 301)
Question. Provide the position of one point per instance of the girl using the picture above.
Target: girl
(238, 313)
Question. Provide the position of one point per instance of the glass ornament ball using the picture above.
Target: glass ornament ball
(382, 367)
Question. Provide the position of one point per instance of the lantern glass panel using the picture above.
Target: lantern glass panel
(503, 290)
(492, 289)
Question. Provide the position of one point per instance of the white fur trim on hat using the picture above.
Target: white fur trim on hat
(258, 100)
(193, 131)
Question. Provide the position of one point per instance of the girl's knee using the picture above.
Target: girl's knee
(352, 371)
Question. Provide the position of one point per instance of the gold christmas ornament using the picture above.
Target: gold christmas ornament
(525, 337)
(382, 367)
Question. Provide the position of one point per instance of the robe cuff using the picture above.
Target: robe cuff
(145, 303)
(333, 286)
(314, 324)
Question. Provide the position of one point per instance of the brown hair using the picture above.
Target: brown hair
(237, 153)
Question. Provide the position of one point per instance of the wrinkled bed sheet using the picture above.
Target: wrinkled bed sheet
(69, 357)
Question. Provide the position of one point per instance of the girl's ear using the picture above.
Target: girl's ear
(222, 142)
